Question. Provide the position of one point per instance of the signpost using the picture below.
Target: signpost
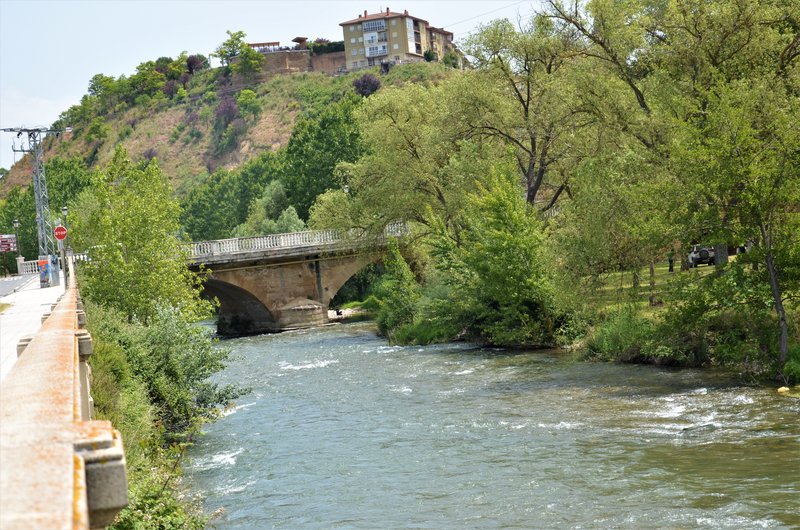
(61, 234)
(8, 243)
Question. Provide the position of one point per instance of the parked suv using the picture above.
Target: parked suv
(701, 254)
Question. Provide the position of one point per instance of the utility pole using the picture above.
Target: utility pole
(44, 223)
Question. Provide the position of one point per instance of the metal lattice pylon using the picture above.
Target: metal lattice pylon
(44, 223)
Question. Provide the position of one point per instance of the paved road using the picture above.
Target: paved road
(23, 317)
(12, 283)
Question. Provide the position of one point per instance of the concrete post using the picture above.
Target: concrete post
(81, 315)
(85, 350)
(22, 344)
(100, 447)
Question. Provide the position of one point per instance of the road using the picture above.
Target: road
(10, 284)
(24, 316)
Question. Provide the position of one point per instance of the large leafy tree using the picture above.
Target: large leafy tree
(213, 208)
(712, 88)
(417, 166)
(129, 226)
(500, 276)
(318, 143)
(529, 103)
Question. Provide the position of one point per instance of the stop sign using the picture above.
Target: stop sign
(60, 232)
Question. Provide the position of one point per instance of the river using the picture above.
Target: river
(343, 431)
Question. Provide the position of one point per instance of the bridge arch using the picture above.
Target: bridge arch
(239, 312)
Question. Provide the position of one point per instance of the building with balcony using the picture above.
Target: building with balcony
(370, 40)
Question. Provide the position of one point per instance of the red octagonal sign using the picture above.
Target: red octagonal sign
(60, 232)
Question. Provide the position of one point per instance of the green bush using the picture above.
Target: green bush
(622, 336)
(397, 292)
(791, 370)
(121, 396)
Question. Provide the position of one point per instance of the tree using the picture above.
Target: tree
(270, 214)
(196, 63)
(230, 48)
(530, 105)
(248, 103)
(248, 62)
(415, 167)
(129, 225)
(398, 293)
(316, 146)
(215, 206)
(697, 76)
(366, 85)
(499, 276)
(237, 54)
(225, 113)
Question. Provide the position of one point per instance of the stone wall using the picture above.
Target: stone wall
(286, 62)
(328, 63)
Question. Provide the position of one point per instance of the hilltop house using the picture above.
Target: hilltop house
(370, 40)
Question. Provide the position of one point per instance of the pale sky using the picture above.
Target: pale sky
(49, 50)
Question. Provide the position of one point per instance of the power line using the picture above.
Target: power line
(486, 13)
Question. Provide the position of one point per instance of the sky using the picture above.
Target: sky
(49, 50)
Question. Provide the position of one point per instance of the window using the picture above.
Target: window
(352, 29)
(352, 40)
(361, 39)
(395, 46)
(394, 34)
(375, 51)
(396, 57)
(354, 52)
(373, 25)
(394, 22)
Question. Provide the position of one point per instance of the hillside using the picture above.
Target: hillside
(188, 131)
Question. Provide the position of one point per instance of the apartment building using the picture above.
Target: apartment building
(387, 36)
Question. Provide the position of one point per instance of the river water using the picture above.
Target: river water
(343, 431)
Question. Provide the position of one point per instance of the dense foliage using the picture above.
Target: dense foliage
(128, 223)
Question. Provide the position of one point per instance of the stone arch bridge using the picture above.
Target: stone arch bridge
(282, 281)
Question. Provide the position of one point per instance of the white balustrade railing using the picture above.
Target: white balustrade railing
(221, 247)
(290, 240)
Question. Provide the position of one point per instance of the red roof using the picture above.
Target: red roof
(377, 16)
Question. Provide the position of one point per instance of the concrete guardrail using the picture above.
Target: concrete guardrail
(60, 468)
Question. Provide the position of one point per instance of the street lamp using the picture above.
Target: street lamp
(15, 222)
(66, 240)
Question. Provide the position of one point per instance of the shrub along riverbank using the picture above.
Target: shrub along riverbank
(152, 362)
(151, 382)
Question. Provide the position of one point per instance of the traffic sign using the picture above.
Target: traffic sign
(60, 232)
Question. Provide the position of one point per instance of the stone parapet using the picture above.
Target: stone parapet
(59, 468)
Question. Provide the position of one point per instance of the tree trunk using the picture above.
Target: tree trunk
(653, 300)
(636, 280)
(720, 257)
(783, 327)
(777, 296)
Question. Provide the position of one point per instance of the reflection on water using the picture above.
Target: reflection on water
(343, 431)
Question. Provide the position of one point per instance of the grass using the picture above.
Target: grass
(616, 290)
